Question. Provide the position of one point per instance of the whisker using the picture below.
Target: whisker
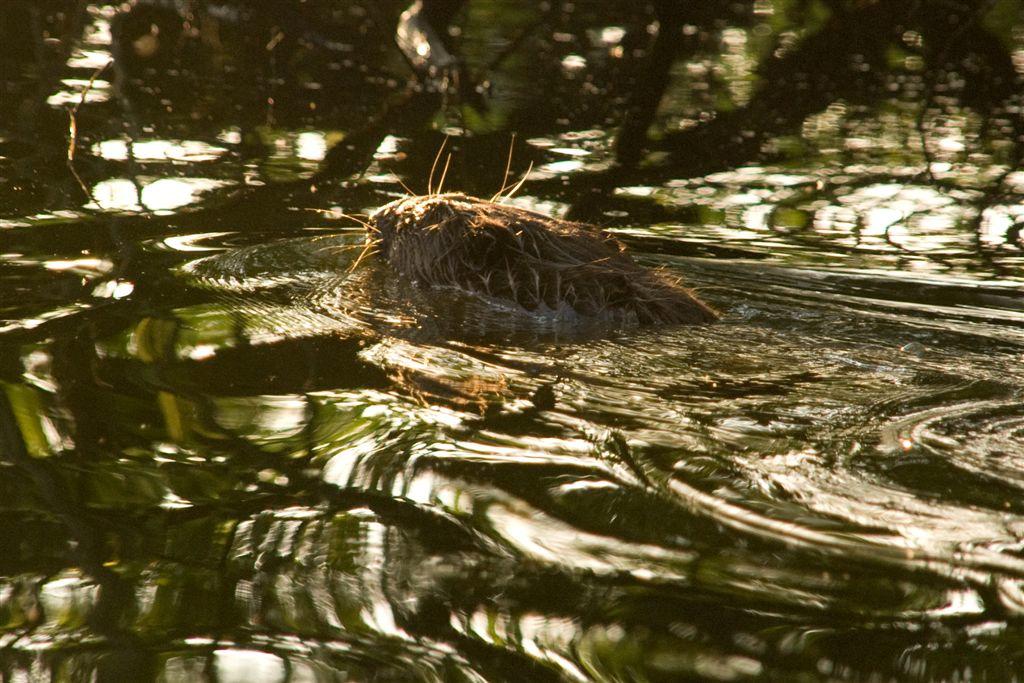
(334, 212)
(508, 167)
(444, 173)
(519, 184)
(342, 247)
(361, 222)
(359, 259)
(433, 167)
(400, 182)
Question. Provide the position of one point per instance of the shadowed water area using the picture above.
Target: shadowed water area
(236, 448)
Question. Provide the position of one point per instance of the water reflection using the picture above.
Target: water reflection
(229, 454)
(80, 90)
(192, 151)
(163, 194)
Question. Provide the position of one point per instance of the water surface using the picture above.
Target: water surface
(232, 450)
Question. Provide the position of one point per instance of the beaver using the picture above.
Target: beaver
(541, 263)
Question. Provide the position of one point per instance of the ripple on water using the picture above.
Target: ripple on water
(840, 444)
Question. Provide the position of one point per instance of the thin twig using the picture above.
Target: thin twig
(73, 130)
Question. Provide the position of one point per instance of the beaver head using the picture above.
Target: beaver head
(539, 262)
(414, 214)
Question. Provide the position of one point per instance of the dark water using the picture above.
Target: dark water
(232, 453)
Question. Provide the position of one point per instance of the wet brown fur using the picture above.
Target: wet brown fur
(523, 256)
